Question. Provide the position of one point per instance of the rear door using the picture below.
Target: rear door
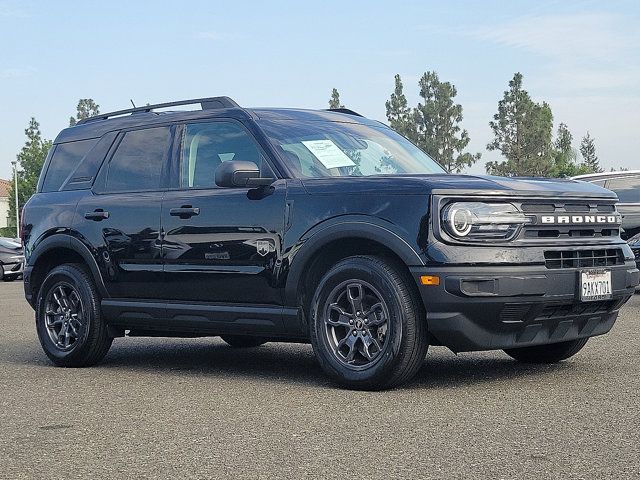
(121, 219)
(221, 245)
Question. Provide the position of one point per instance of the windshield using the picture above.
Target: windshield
(335, 149)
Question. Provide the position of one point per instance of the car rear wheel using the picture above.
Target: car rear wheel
(69, 322)
(551, 353)
(368, 328)
(241, 341)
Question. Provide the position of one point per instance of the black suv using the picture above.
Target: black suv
(265, 225)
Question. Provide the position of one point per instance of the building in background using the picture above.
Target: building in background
(5, 192)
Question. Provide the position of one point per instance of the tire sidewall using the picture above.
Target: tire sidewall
(360, 269)
(69, 275)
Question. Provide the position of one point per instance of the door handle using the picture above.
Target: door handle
(184, 212)
(97, 215)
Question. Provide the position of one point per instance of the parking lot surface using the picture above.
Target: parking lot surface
(175, 408)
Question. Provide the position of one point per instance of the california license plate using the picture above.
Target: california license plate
(595, 285)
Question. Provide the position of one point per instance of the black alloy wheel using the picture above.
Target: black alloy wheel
(367, 323)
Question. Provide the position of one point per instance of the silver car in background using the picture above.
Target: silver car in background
(11, 259)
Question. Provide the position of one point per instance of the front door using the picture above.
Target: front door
(221, 245)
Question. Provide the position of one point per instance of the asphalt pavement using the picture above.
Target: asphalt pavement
(176, 408)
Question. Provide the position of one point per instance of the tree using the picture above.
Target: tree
(438, 121)
(334, 101)
(588, 152)
(522, 130)
(86, 108)
(564, 155)
(400, 116)
(30, 161)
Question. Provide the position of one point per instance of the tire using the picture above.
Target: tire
(91, 341)
(1, 271)
(382, 346)
(242, 341)
(551, 353)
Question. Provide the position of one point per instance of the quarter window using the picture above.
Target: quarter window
(137, 163)
(628, 189)
(206, 145)
(65, 159)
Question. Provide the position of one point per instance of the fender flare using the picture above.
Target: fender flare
(69, 242)
(359, 226)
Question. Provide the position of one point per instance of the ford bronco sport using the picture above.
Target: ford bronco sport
(262, 225)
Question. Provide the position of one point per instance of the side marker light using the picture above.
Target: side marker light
(431, 280)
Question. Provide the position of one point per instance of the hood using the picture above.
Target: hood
(10, 245)
(446, 183)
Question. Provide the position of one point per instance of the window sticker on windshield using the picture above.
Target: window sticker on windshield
(328, 153)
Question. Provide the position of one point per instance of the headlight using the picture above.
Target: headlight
(477, 221)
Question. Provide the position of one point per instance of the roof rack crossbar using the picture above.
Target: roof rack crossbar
(210, 103)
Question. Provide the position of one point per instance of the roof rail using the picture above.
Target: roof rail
(344, 110)
(210, 103)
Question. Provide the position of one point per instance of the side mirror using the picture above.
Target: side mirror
(237, 173)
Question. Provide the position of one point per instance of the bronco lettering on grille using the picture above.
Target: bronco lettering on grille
(577, 219)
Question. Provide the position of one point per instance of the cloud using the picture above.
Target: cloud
(578, 37)
(18, 72)
(12, 10)
(581, 52)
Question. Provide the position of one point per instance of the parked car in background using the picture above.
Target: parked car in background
(634, 243)
(627, 187)
(11, 259)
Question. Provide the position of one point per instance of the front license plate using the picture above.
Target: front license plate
(595, 285)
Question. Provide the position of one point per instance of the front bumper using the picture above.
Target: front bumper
(12, 270)
(486, 308)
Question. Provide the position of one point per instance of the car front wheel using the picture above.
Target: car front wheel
(368, 327)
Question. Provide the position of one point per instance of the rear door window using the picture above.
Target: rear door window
(66, 158)
(138, 162)
(627, 188)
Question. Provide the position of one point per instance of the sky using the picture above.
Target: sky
(582, 57)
